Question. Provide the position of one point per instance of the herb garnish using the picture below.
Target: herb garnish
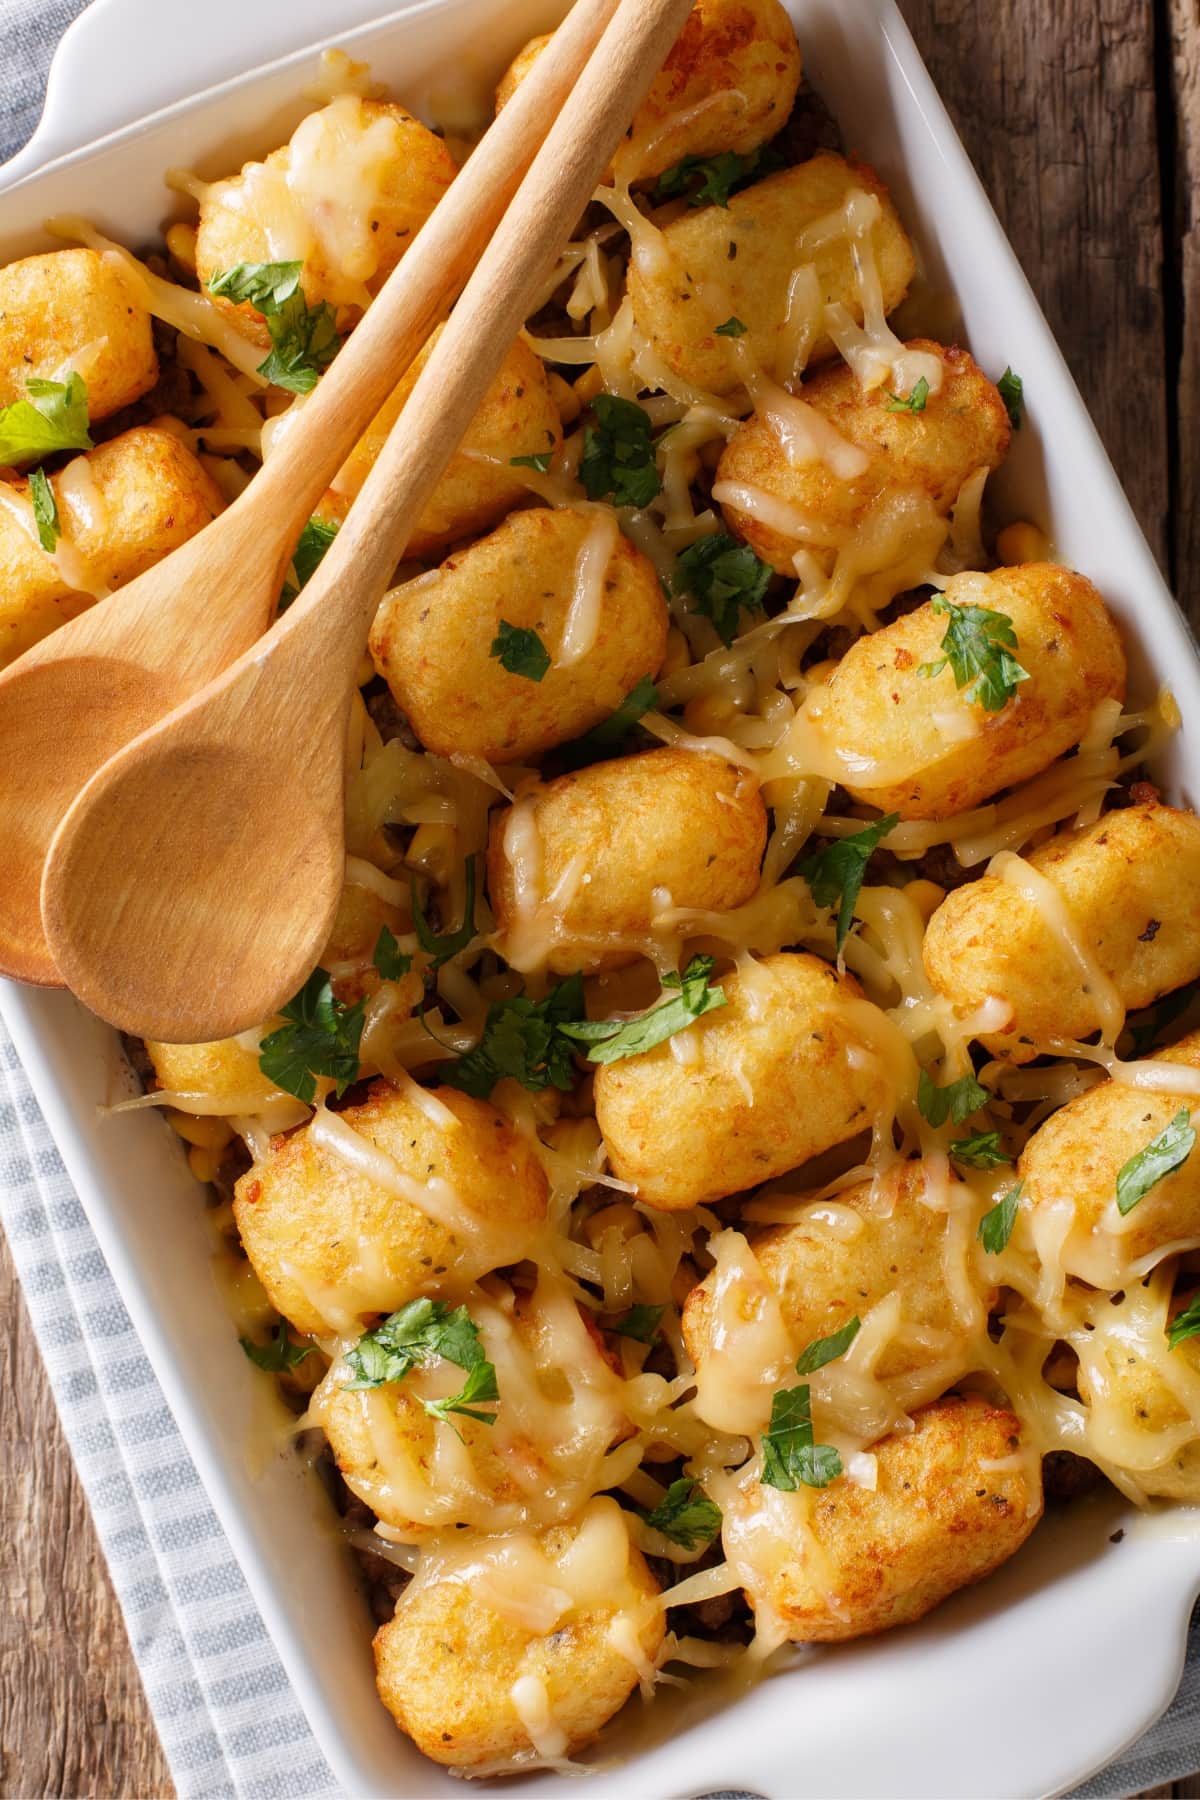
(724, 579)
(304, 339)
(612, 731)
(732, 328)
(321, 1038)
(790, 1456)
(982, 1151)
(520, 651)
(957, 1101)
(996, 1225)
(45, 512)
(521, 1039)
(640, 1323)
(836, 873)
(976, 646)
(54, 417)
(440, 947)
(420, 1333)
(913, 402)
(614, 1039)
(1011, 390)
(387, 956)
(618, 455)
(307, 557)
(828, 1349)
(540, 460)
(280, 1354)
(1160, 1158)
(1185, 1325)
(713, 178)
(686, 1515)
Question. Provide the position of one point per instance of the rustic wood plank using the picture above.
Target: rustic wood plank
(73, 1716)
(1055, 101)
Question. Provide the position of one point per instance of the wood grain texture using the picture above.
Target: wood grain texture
(1083, 117)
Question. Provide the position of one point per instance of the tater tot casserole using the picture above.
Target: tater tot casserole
(734, 1164)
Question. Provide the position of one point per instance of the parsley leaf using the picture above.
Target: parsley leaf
(790, 1457)
(713, 178)
(828, 1349)
(442, 947)
(304, 339)
(724, 578)
(982, 1151)
(321, 1038)
(521, 1039)
(307, 557)
(1185, 1324)
(520, 651)
(835, 874)
(1160, 1158)
(957, 1101)
(618, 456)
(55, 417)
(640, 1323)
(976, 646)
(732, 328)
(996, 1225)
(913, 402)
(540, 461)
(389, 959)
(280, 1354)
(1011, 390)
(612, 731)
(45, 511)
(420, 1333)
(686, 1515)
(615, 1039)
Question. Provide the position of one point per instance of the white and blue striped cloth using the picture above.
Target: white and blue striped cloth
(229, 1722)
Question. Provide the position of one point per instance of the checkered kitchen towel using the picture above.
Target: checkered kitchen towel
(229, 1722)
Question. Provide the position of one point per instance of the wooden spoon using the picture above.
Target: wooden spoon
(73, 700)
(193, 883)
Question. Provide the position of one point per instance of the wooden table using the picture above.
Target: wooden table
(1083, 118)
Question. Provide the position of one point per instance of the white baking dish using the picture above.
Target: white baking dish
(1022, 1686)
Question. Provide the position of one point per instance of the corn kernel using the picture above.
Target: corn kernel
(1022, 543)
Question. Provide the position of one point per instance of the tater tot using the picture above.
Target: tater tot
(221, 1077)
(542, 1457)
(954, 1498)
(74, 310)
(927, 752)
(578, 868)
(740, 260)
(755, 1088)
(1142, 1397)
(481, 1669)
(122, 507)
(894, 516)
(841, 1259)
(518, 417)
(1070, 1167)
(432, 639)
(728, 84)
(328, 1224)
(1127, 889)
(345, 197)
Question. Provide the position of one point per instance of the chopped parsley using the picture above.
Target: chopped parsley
(1011, 390)
(307, 557)
(614, 1039)
(1160, 1158)
(996, 1225)
(913, 402)
(521, 1039)
(304, 339)
(724, 579)
(54, 417)
(828, 1349)
(982, 1151)
(835, 874)
(732, 328)
(440, 947)
(686, 1515)
(791, 1458)
(705, 179)
(387, 956)
(45, 511)
(1185, 1325)
(957, 1101)
(640, 1323)
(616, 728)
(321, 1037)
(280, 1354)
(540, 460)
(520, 651)
(422, 1332)
(618, 455)
(977, 648)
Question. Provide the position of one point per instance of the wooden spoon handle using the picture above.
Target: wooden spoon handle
(341, 599)
(421, 287)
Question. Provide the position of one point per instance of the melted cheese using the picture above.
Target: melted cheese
(587, 599)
